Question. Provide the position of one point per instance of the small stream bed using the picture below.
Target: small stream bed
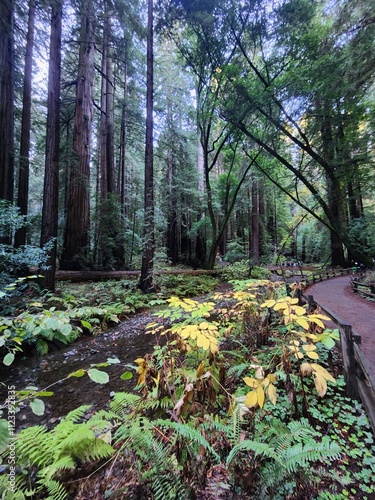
(127, 342)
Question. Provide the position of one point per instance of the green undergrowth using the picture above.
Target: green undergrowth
(242, 397)
(34, 319)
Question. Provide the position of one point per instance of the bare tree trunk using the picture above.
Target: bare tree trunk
(146, 279)
(6, 101)
(51, 177)
(254, 223)
(76, 234)
(23, 179)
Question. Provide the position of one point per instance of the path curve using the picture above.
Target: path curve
(337, 296)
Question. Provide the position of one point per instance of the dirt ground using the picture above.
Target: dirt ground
(337, 296)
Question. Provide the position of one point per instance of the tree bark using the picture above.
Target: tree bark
(76, 234)
(254, 256)
(146, 279)
(23, 176)
(6, 101)
(51, 176)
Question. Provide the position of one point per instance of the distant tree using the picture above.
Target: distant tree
(146, 279)
(6, 99)
(77, 226)
(51, 176)
(23, 176)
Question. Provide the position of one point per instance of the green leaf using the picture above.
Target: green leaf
(78, 373)
(4, 434)
(86, 324)
(37, 407)
(328, 342)
(8, 359)
(126, 376)
(98, 376)
(113, 361)
(66, 329)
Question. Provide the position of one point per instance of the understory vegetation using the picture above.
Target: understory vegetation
(242, 396)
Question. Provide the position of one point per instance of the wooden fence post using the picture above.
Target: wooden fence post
(350, 370)
(310, 303)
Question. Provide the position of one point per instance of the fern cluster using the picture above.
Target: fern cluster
(44, 455)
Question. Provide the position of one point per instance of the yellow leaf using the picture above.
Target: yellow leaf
(204, 325)
(152, 325)
(214, 348)
(191, 302)
(271, 392)
(203, 341)
(272, 377)
(319, 369)
(309, 347)
(251, 382)
(260, 395)
(140, 361)
(306, 369)
(251, 399)
(268, 303)
(265, 382)
(303, 322)
(312, 355)
(317, 321)
(200, 370)
(320, 384)
(299, 310)
(280, 306)
(322, 316)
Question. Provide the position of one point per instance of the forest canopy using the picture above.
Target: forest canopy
(170, 132)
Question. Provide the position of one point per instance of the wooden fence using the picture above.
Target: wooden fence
(365, 290)
(359, 381)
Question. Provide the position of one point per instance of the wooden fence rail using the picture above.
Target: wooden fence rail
(361, 288)
(326, 274)
(360, 383)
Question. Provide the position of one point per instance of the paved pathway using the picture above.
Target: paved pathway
(337, 296)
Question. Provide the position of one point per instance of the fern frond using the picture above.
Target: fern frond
(56, 490)
(124, 402)
(190, 433)
(300, 455)
(248, 445)
(64, 463)
(28, 445)
(77, 414)
(4, 434)
(41, 346)
(235, 425)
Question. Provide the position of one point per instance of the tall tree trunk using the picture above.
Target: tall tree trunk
(335, 201)
(254, 255)
(121, 184)
(51, 176)
(107, 184)
(23, 178)
(6, 101)
(146, 279)
(172, 243)
(76, 234)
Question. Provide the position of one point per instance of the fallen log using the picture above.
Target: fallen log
(120, 275)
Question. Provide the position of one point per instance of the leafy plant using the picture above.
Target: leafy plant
(52, 453)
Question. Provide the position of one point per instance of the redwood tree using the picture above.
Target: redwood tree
(76, 233)
(51, 177)
(6, 99)
(146, 279)
(23, 176)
